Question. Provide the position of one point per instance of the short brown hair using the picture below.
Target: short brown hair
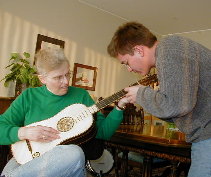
(128, 36)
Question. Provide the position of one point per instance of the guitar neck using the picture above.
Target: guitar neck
(107, 101)
(116, 96)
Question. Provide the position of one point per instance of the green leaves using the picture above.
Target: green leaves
(27, 55)
(14, 56)
(21, 71)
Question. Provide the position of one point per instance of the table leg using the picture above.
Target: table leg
(147, 166)
(182, 167)
(124, 164)
(116, 165)
(174, 169)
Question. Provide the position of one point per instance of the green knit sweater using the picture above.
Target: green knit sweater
(36, 104)
(184, 95)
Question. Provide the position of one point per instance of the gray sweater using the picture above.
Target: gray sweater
(184, 95)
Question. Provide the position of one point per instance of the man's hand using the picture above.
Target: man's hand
(38, 133)
(131, 93)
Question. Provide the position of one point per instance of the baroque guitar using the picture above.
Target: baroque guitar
(75, 124)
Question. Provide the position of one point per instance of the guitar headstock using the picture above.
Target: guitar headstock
(148, 80)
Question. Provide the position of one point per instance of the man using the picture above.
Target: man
(184, 95)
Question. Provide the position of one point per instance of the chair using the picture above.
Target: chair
(133, 115)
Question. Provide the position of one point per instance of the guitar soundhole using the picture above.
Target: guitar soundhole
(65, 124)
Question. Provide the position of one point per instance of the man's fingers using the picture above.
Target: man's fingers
(127, 89)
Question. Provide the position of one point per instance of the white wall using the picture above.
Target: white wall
(85, 30)
(203, 37)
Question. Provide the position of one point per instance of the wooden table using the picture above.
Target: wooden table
(152, 141)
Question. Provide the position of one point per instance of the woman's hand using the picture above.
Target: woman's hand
(38, 133)
(121, 104)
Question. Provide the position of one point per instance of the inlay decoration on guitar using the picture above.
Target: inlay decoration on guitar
(74, 122)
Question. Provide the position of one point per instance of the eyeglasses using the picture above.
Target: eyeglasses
(127, 66)
(62, 77)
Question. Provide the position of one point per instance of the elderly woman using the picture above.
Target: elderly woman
(41, 103)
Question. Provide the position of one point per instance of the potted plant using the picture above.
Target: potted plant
(21, 72)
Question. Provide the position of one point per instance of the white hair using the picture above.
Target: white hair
(49, 59)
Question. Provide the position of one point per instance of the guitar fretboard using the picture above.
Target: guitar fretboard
(116, 96)
(107, 101)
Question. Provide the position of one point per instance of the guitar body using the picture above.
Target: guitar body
(75, 124)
